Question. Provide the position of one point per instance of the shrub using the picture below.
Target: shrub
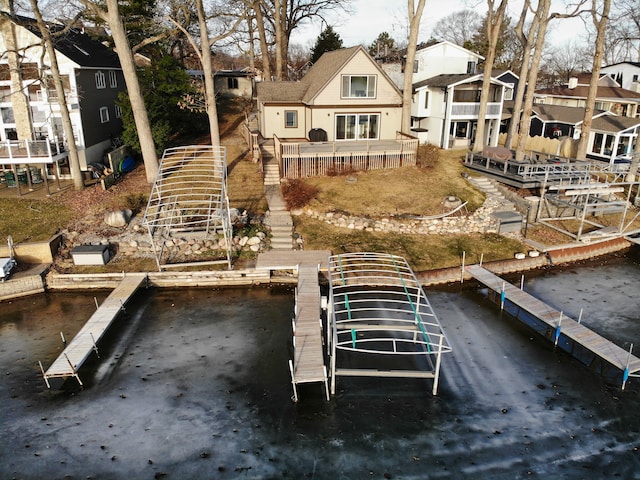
(135, 201)
(428, 155)
(297, 193)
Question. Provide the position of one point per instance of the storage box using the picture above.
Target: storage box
(90, 255)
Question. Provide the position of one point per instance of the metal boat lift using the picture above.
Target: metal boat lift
(189, 198)
(380, 316)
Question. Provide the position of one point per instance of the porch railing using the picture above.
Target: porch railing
(298, 159)
(471, 109)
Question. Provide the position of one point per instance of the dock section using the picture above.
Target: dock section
(572, 336)
(308, 364)
(78, 350)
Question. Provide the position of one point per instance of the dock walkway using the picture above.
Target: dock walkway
(308, 364)
(560, 323)
(85, 341)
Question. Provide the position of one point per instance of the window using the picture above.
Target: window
(415, 66)
(471, 67)
(508, 92)
(635, 78)
(113, 80)
(466, 96)
(100, 82)
(104, 114)
(357, 127)
(426, 99)
(291, 119)
(118, 111)
(7, 115)
(232, 83)
(358, 86)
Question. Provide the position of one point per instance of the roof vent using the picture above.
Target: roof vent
(573, 82)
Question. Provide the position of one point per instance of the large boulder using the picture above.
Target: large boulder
(118, 218)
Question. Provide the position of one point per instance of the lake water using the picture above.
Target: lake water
(194, 383)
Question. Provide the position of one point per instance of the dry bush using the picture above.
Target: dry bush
(297, 193)
(428, 155)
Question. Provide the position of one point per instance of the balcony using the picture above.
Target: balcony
(470, 110)
(30, 151)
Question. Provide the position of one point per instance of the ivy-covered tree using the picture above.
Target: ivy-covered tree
(165, 85)
(327, 41)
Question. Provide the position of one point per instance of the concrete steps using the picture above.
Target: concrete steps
(278, 217)
(494, 195)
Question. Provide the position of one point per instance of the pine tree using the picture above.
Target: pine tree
(327, 41)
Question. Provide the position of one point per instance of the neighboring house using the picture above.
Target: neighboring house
(511, 81)
(92, 80)
(610, 96)
(234, 83)
(554, 121)
(612, 137)
(345, 96)
(446, 97)
(626, 74)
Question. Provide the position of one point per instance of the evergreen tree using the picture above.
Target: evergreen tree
(383, 45)
(327, 41)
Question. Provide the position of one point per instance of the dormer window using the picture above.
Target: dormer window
(100, 80)
(358, 86)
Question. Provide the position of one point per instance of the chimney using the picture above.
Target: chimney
(573, 82)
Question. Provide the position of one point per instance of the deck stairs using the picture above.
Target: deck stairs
(494, 197)
(278, 217)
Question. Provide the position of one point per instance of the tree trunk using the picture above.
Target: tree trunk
(279, 32)
(139, 110)
(19, 99)
(414, 15)
(601, 28)
(209, 89)
(527, 44)
(525, 120)
(494, 22)
(264, 48)
(74, 161)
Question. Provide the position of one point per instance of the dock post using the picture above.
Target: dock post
(625, 374)
(44, 375)
(95, 300)
(580, 316)
(64, 341)
(556, 335)
(481, 258)
(522, 282)
(95, 347)
(464, 256)
(293, 382)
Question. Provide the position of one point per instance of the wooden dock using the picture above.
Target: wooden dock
(561, 324)
(308, 364)
(85, 341)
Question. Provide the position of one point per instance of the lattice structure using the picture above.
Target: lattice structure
(381, 318)
(189, 199)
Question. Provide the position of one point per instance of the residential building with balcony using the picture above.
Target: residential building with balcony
(92, 79)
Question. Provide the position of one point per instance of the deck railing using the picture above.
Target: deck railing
(303, 159)
(23, 150)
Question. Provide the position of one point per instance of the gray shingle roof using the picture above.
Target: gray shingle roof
(445, 80)
(77, 46)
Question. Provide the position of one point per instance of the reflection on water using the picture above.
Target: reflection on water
(194, 383)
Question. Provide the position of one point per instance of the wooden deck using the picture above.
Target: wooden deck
(574, 331)
(308, 364)
(85, 341)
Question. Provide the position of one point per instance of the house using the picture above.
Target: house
(508, 78)
(345, 95)
(610, 96)
(446, 97)
(234, 83)
(555, 121)
(626, 74)
(92, 80)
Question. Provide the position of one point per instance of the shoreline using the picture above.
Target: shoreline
(39, 278)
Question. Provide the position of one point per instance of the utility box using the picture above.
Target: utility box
(90, 255)
(508, 221)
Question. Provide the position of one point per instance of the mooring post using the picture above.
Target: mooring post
(580, 316)
(481, 258)
(64, 341)
(95, 300)
(464, 256)
(522, 282)
(557, 332)
(625, 374)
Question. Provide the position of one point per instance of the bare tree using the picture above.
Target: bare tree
(599, 19)
(623, 33)
(204, 53)
(567, 60)
(494, 20)
(74, 162)
(414, 15)
(108, 12)
(19, 99)
(458, 27)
